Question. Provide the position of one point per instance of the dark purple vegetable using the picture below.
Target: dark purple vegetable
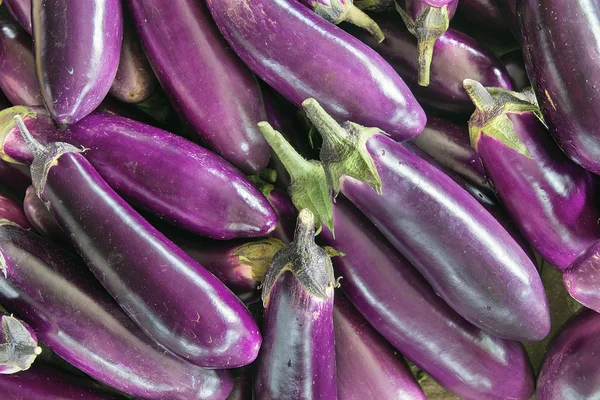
(14, 177)
(582, 278)
(349, 78)
(552, 200)
(570, 369)
(17, 69)
(18, 345)
(561, 61)
(40, 218)
(456, 58)
(206, 82)
(367, 366)
(21, 12)
(175, 179)
(286, 213)
(77, 45)
(508, 10)
(75, 317)
(12, 212)
(297, 359)
(515, 66)
(484, 14)
(170, 296)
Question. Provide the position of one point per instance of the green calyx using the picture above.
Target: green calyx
(8, 123)
(336, 11)
(258, 255)
(374, 5)
(20, 348)
(427, 27)
(490, 117)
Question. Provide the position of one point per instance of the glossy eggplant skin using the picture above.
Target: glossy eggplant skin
(570, 367)
(463, 252)
(396, 300)
(40, 218)
(515, 66)
(77, 45)
(157, 171)
(17, 66)
(561, 63)
(53, 292)
(582, 277)
(12, 211)
(366, 365)
(207, 84)
(456, 57)
(21, 12)
(346, 76)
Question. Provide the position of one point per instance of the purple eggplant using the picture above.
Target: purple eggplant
(464, 253)
(12, 212)
(173, 178)
(484, 14)
(297, 360)
(40, 218)
(457, 57)
(508, 10)
(14, 177)
(78, 320)
(515, 66)
(77, 45)
(138, 265)
(206, 82)
(17, 67)
(570, 368)
(18, 345)
(426, 20)
(21, 12)
(562, 64)
(285, 210)
(582, 278)
(551, 199)
(367, 366)
(271, 36)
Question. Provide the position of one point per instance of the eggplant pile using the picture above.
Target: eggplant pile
(299, 199)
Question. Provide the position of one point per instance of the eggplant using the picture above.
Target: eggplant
(18, 345)
(156, 171)
(271, 36)
(138, 265)
(426, 20)
(70, 312)
(508, 10)
(12, 212)
(40, 218)
(222, 104)
(297, 359)
(367, 366)
(582, 277)
(77, 45)
(563, 68)
(551, 199)
(515, 66)
(286, 213)
(21, 12)
(17, 66)
(456, 57)
(570, 368)
(14, 177)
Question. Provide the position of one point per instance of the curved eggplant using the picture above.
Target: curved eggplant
(12, 212)
(271, 36)
(21, 12)
(77, 45)
(18, 345)
(40, 218)
(138, 265)
(76, 318)
(222, 103)
(515, 66)
(564, 71)
(160, 172)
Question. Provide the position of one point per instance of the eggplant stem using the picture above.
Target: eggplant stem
(289, 157)
(258, 255)
(358, 17)
(20, 347)
(36, 147)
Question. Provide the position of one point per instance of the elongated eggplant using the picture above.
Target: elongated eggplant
(570, 367)
(344, 74)
(463, 252)
(138, 265)
(297, 360)
(18, 345)
(78, 320)
(12, 212)
(551, 199)
(173, 178)
(77, 45)
(515, 66)
(17, 67)
(222, 104)
(40, 218)
(21, 12)
(564, 71)
(367, 366)
(456, 58)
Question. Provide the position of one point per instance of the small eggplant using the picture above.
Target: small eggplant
(21, 12)
(77, 45)
(12, 212)
(367, 366)
(40, 218)
(271, 36)
(143, 270)
(515, 66)
(297, 359)
(562, 63)
(18, 345)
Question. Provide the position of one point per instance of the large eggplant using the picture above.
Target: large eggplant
(170, 296)
(367, 366)
(456, 58)
(21, 12)
(562, 64)
(354, 82)
(52, 291)
(173, 178)
(18, 344)
(570, 368)
(206, 82)
(77, 45)
(297, 360)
